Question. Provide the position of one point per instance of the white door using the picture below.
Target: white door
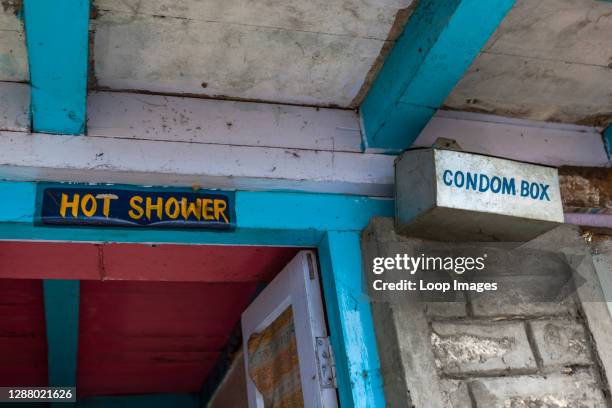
(285, 328)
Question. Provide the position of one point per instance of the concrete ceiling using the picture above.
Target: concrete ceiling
(549, 60)
(13, 54)
(293, 51)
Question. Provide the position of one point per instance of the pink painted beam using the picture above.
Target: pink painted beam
(48, 260)
(181, 263)
(589, 220)
(195, 263)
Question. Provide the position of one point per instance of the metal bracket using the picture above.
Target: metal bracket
(325, 362)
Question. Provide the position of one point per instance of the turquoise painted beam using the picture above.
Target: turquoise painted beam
(57, 43)
(263, 218)
(351, 326)
(438, 44)
(607, 136)
(142, 401)
(61, 299)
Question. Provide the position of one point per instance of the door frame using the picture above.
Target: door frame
(330, 223)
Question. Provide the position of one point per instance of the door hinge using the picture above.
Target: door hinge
(311, 268)
(325, 362)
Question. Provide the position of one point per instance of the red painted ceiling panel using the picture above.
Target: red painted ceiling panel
(23, 343)
(181, 263)
(48, 260)
(194, 263)
(148, 337)
(157, 322)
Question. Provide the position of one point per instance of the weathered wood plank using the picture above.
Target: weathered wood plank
(180, 119)
(146, 162)
(530, 141)
(57, 43)
(344, 17)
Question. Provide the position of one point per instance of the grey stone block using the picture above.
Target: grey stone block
(530, 283)
(455, 394)
(579, 390)
(473, 347)
(561, 342)
(445, 309)
(513, 302)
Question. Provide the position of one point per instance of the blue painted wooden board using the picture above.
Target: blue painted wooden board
(263, 218)
(349, 315)
(438, 44)
(62, 319)
(57, 43)
(87, 205)
(607, 135)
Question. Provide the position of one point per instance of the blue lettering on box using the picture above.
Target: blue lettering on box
(508, 186)
(524, 189)
(495, 184)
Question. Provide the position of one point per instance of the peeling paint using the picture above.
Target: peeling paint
(14, 7)
(585, 189)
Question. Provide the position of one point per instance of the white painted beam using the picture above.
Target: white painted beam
(151, 162)
(196, 120)
(530, 141)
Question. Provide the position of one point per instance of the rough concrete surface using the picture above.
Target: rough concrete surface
(555, 391)
(13, 54)
(548, 60)
(316, 53)
(561, 342)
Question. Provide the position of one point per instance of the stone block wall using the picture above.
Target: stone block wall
(485, 351)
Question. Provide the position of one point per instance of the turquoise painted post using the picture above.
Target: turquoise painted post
(438, 44)
(350, 321)
(62, 319)
(607, 136)
(57, 42)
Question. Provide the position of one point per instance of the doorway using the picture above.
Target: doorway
(152, 319)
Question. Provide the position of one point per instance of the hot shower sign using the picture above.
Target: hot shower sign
(60, 204)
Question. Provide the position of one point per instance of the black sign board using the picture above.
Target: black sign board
(60, 204)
